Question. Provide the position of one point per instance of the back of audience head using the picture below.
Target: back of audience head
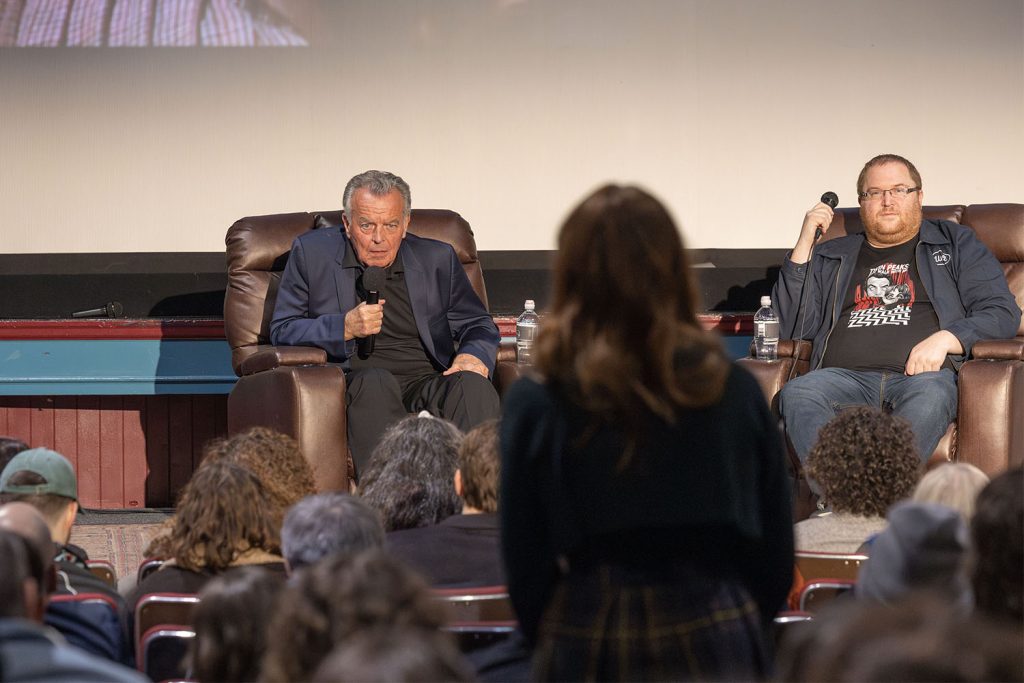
(23, 578)
(410, 474)
(398, 655)
(923, 640)
(923, 548)
(10, 447)
(223, 512)
(865, 460)
(230, 623)
(997, 536)
(337, 598)
(45, 480)
(24, 521)
(273, 457)
(953, 484)
(326, 524)
(479, 468)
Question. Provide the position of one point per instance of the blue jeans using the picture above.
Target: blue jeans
(927, 401)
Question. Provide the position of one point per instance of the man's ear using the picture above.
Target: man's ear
(34, 603)
(458, 483)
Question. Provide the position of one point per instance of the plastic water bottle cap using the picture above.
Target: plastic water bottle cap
(529, 305)
(766, 301)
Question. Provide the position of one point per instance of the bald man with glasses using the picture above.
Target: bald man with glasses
(900, 348)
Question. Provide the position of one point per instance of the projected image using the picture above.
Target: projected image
(154, 23)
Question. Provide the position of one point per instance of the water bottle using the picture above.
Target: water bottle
(766, 331)
(526, 330)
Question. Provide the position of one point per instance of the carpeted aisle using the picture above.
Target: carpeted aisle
(118, 537)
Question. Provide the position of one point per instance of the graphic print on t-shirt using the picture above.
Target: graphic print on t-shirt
(885, 297)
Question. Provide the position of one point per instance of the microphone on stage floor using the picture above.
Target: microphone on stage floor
(373, 282)
(832, 199)
(112, 309)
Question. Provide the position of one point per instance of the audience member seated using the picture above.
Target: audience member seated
(274, 458)
(409, 477)
(463, 550)
(46, 480)
(924, 640)
(864, 461)
(28, 650)
(645, 510)
(396, 655)
(953, 484)
(337, 598)
(230, 622)
(224, 520)
(328, 524)
(923, 548)
(9, 448)
(997, 538)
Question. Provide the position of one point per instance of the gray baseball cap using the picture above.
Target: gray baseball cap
(50, 465)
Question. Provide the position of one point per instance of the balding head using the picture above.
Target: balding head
(25, 520)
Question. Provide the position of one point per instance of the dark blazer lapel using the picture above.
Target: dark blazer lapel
(344, 279)
(416, 282)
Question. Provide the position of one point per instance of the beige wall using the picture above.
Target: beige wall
(509, 110)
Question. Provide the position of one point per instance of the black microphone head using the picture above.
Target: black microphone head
(830, 198)
(373, 279)
(114, 309)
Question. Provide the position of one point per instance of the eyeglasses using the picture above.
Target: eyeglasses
(898, 193)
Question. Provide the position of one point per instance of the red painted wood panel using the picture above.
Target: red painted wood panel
(135, 460)
(111, 452)
(180, 446)
(128, 451)
(41, 419)
(19, 418)
(158, 489)
(65, 427)
(90, 493)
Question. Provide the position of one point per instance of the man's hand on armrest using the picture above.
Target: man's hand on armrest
(930, 353)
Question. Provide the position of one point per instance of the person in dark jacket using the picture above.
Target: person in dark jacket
(46, 480)
(892, 312)
(645, 512)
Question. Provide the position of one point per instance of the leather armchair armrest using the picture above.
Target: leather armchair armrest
(999, 349)
(505, 374)
(794, 360)
(270, 357)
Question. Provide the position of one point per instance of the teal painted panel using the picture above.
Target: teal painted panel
(115, 367)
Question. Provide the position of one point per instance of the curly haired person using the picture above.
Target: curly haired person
(864, 461)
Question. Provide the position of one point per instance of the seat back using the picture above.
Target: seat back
(163, 651)
(813, 565)
(488, 603)
(1001, 228)
(817, 594)
(104, 571)
(159, 609)
(258, 248)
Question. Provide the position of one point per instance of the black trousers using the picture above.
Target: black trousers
(377, 399)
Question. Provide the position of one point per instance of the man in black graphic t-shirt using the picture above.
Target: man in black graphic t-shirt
(892, 312)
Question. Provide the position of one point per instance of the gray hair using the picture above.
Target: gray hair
(379, 183)
(328, 524)
(954, 484)
(409, 478)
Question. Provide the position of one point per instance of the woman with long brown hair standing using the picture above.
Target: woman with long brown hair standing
(645, 507)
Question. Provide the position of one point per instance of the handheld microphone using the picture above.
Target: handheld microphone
(112, 309)
(832, 200)
(373, 282)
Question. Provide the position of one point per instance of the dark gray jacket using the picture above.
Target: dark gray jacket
(963, 279)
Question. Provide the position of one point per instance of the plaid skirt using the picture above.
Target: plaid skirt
(611, 623)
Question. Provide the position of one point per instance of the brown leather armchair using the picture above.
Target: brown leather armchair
(989, 430)
(292, 388)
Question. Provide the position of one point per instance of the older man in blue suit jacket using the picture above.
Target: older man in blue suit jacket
(435, 344)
